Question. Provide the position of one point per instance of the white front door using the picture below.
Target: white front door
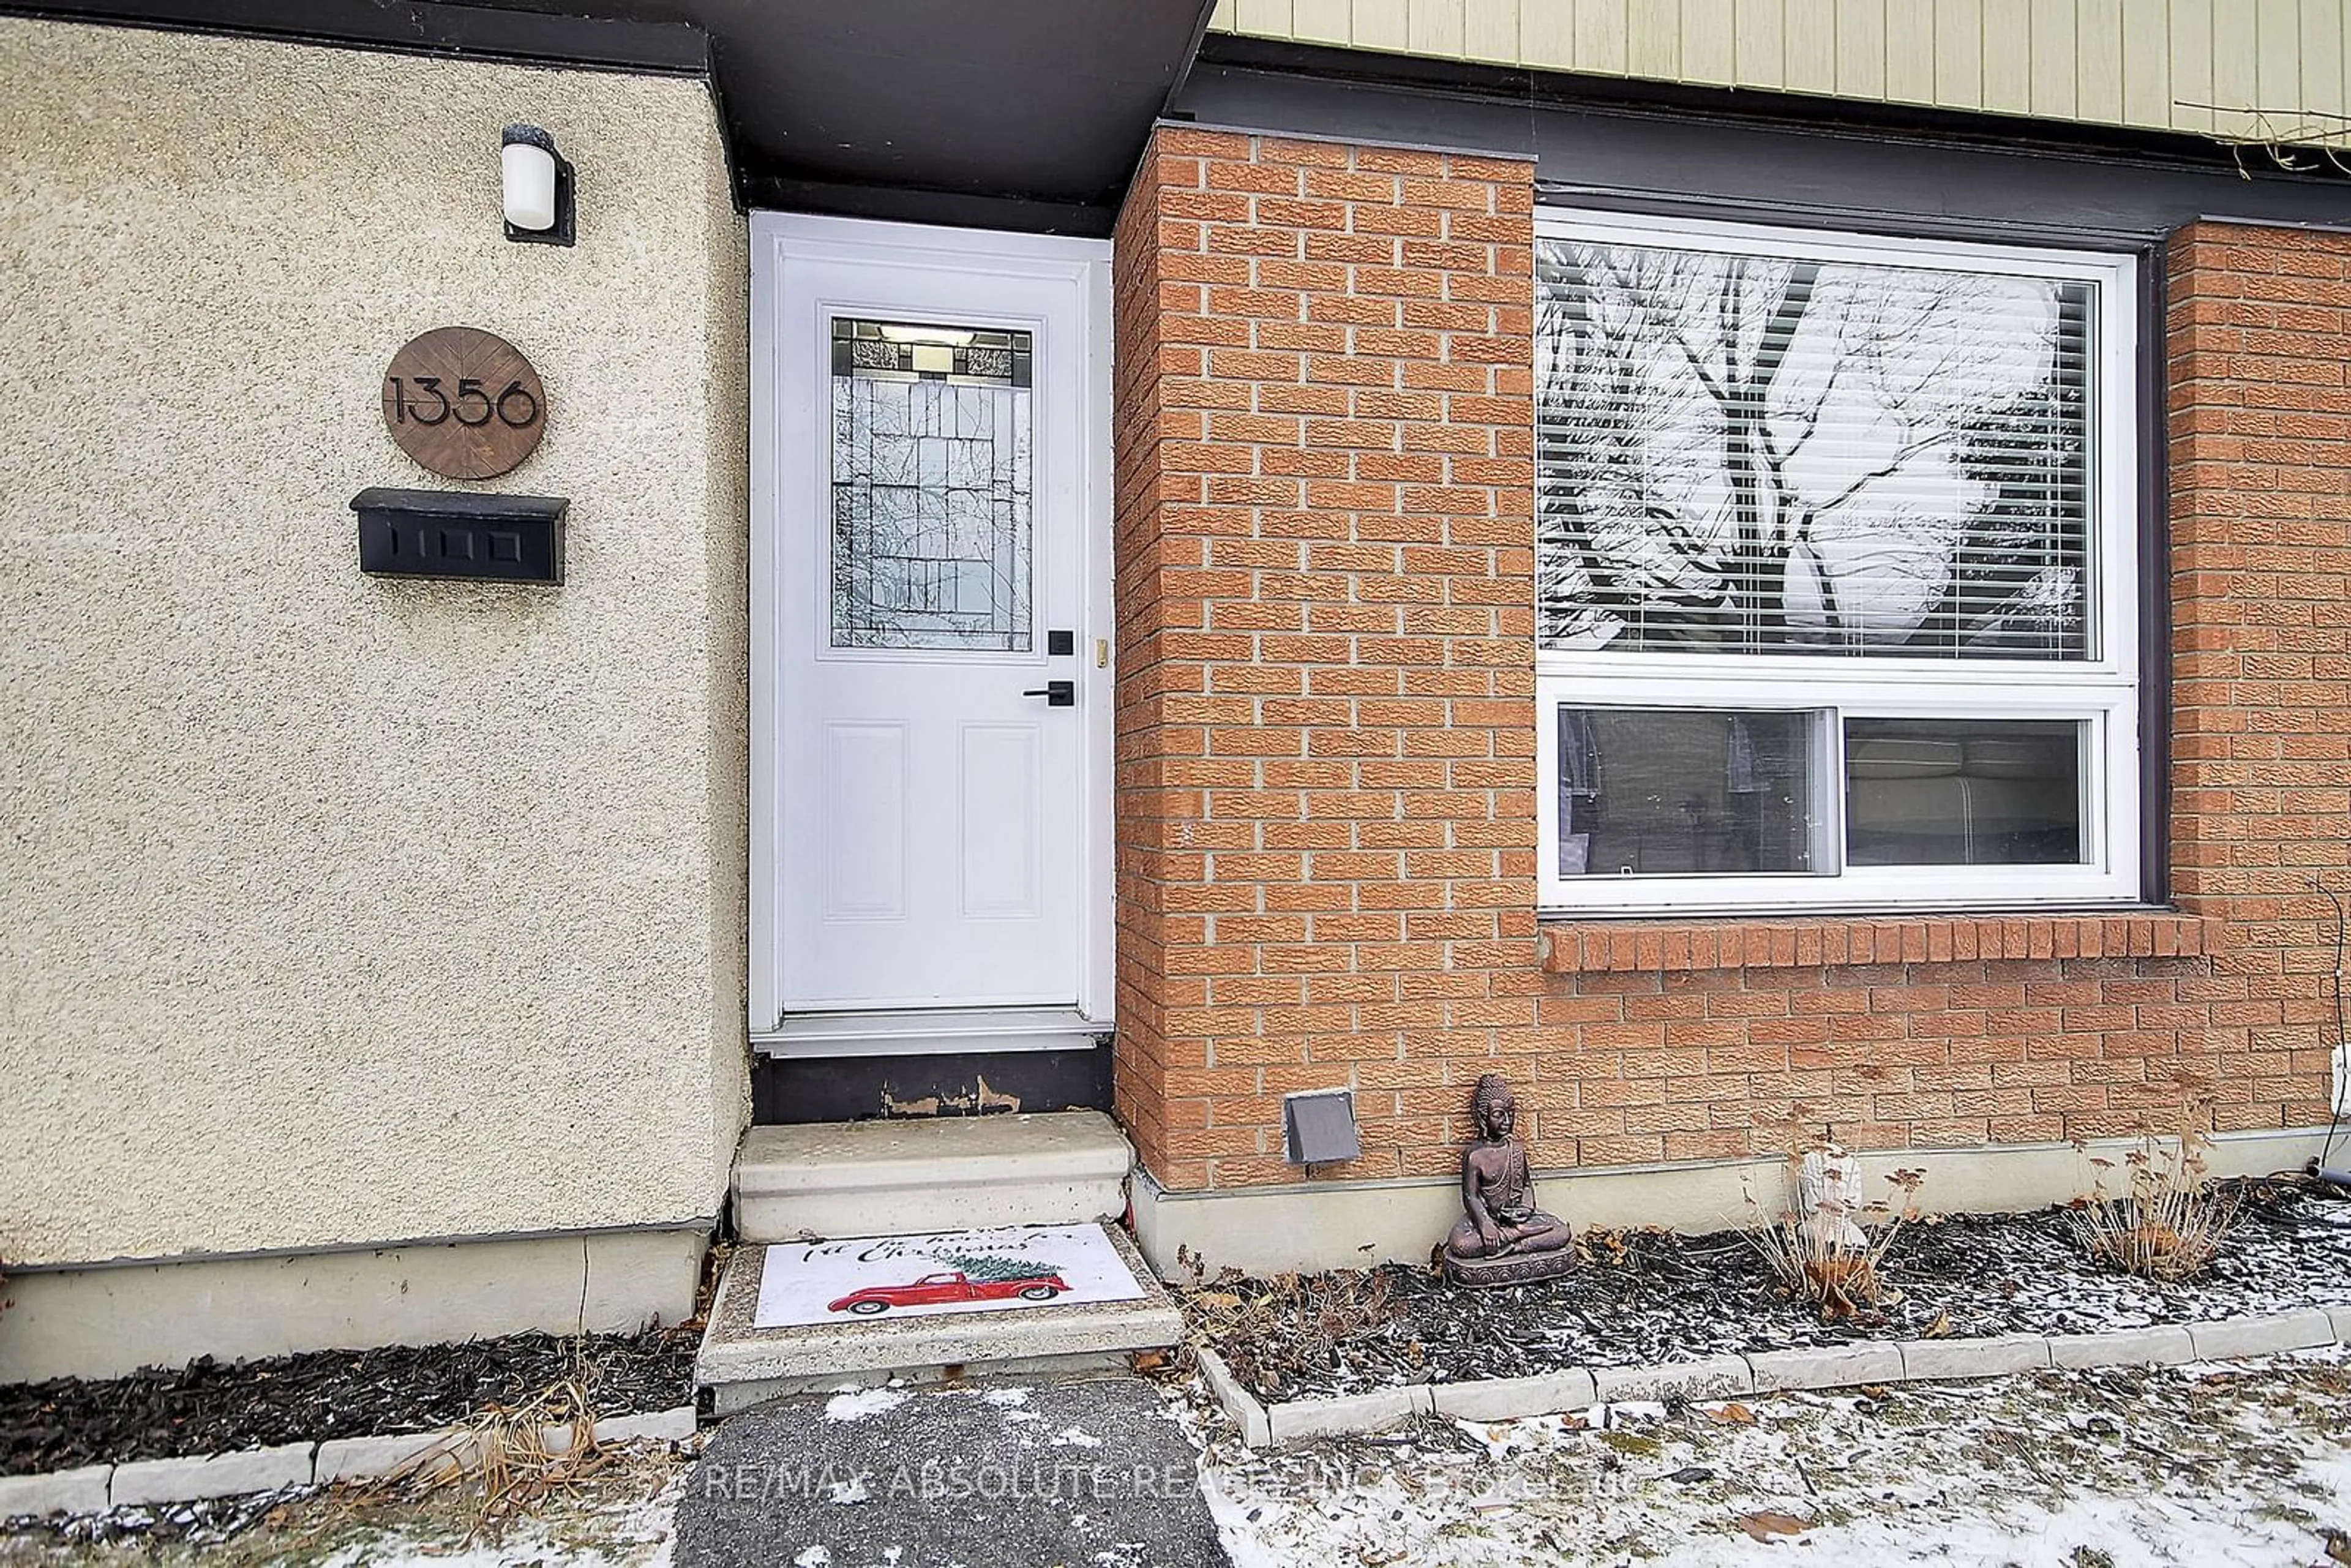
(933, 648)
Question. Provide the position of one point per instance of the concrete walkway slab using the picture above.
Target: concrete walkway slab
(1093, 1471)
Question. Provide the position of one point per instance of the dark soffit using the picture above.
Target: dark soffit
(1025, 113)
(1011, 113)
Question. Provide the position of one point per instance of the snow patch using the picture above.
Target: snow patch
(2241, 1468)
(858, 1404)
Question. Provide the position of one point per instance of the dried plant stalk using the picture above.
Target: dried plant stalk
(1275, 1332)
(2169, 1221)
(2299, 140)
(517, 1455)
(1828, 1248)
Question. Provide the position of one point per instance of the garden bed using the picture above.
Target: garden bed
(208, 1409)
(1650, 1297)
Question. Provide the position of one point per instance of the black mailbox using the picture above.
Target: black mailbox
(450, 533)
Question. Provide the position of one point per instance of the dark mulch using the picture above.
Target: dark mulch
(208, 1409)
(1647, 1297)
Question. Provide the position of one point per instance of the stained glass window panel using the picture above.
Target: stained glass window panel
(931, 490)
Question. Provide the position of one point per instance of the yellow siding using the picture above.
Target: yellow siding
(1758, 48)
(1960, 52)
(1860, 51)
(1812, 46)
(2322, 51)
(2276, 68)
(2098, 62)
(2007, 65)
(2189, 35)
(2235, 52)
(2052, 66)
(1435, 28)
(1490, 30)
(1910, 51)
(1599, 39)
(1710, 36)
(2147, 63)
(1653, 40)
(1321, 21)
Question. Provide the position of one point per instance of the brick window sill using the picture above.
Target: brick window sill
(1813, 941)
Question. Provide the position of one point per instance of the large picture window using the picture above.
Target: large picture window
(1836, 598)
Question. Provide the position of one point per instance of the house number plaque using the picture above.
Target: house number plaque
(464, 402)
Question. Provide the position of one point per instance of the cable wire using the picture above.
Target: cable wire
(2341, 1046)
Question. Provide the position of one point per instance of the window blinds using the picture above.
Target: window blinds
(1743, 453)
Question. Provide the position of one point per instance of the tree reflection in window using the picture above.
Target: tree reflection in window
(1751, 453)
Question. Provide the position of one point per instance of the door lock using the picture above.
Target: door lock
(1057, 693)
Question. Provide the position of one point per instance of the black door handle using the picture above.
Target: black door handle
(1057, 693)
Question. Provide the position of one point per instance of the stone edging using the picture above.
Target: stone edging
(94, 1489)
(1769, 1371)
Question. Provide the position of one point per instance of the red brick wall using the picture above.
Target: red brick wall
(2259, 346)
(1140, 1057)
(1326, 728)
(1326, 731)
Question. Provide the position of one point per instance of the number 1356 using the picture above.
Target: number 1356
(420, 400)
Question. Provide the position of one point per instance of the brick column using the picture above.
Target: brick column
(2259, 351)
(1326, 820)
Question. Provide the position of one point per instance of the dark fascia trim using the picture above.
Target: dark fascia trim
(1817, 173)
(916, 205)
(1760, 109)
(406, 27)
(1191, 56)
(1553, 193)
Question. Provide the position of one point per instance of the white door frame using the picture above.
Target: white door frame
(964, 252)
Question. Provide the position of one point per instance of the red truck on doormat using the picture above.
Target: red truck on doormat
(947, 1288)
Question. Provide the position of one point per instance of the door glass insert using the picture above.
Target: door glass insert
(931, 488)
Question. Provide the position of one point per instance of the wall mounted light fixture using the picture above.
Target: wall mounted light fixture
(536, 182)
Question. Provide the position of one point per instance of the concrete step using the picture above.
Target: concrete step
(775, 1327)
(906, 1177)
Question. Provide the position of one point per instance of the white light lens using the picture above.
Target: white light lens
(529, 186)
(952, 336)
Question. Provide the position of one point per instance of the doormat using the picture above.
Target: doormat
(933, 1276)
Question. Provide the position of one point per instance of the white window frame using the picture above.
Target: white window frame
(2101, 691)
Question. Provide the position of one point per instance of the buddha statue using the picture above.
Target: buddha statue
(1501, 1239)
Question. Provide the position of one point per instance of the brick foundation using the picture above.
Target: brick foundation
(1326, 815)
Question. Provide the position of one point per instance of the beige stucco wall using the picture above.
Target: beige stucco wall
(336, 910)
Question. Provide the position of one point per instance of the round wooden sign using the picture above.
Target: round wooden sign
(464, 402)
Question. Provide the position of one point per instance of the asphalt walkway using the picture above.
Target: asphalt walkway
(992, 1474)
